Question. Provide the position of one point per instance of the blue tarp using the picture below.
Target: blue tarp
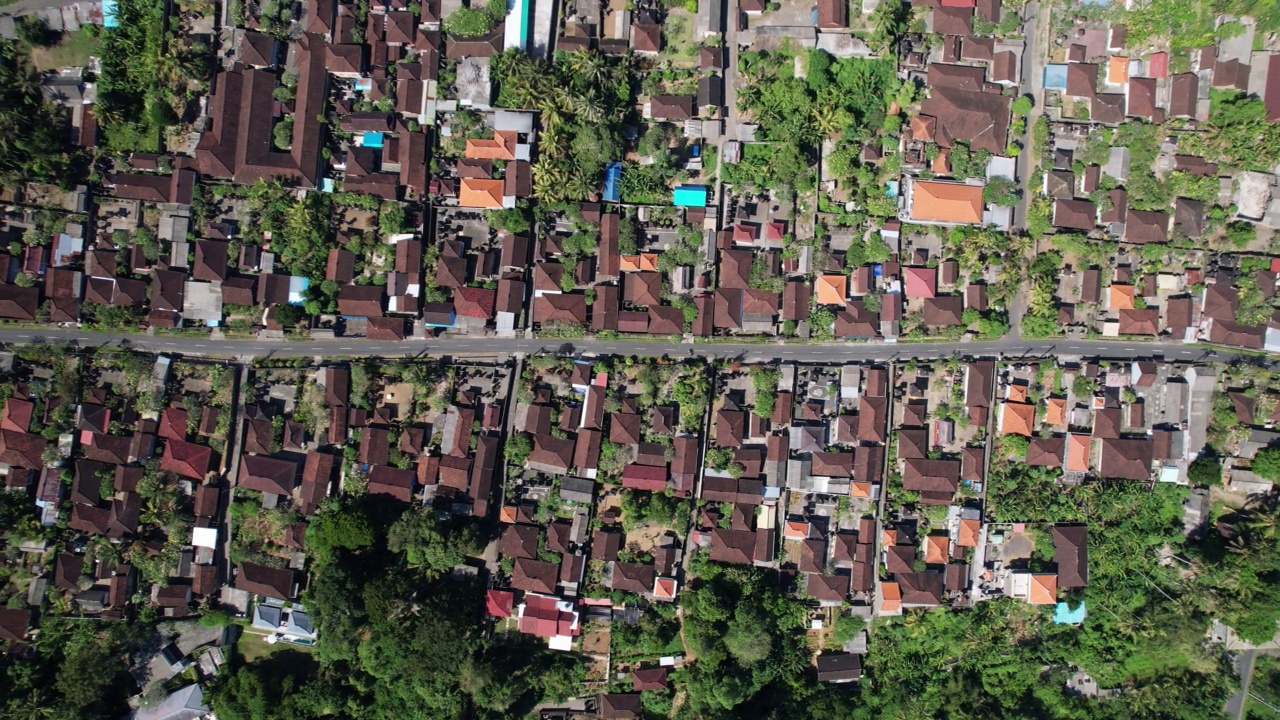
(298, 289)
(1064, 615)
(1055, 77)
(110, 13)
(612, 178)
(372, 140)
(690, 196)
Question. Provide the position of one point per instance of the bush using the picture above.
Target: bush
(282, 133)
(469, 22)
(1205, 471)
(1267, 463)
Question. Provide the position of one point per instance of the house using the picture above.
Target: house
(833, 14)
(933, 201)
(1126, 458)
(839, 667)
(979, 118)
(669, 107)
(267, 581)
(1071, 555)
(1074, 214)
(267, 474)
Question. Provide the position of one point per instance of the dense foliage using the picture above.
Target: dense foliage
(144, 78)
(401, 637)
(74, 671)
(32, 131)
(583, 98)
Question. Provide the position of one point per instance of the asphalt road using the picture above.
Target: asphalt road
(358, 347)
(1240, 700)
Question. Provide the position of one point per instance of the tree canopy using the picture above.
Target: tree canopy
(32, 131)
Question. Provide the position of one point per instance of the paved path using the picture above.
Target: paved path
(1240, 700)
(811, 353)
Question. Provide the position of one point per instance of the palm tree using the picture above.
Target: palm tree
(829, 117)
(549, 180)
(554, 142)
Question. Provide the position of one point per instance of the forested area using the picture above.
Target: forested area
(583, 98)
(75, 670)
(33, 142)
(145, 78)
(401, 637)
(846, 98)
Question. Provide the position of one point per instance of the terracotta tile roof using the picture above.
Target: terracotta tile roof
(477, 193)
(502, 146)
(1017, 419)
(946, 202)
(1043, 589)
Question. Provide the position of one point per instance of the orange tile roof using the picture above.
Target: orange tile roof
(946, 202)
(832, 289)
(664, 588)
(1078, 447)
(1121, 297)
(1044, 589)
(1056, 412)
(1018, 419)
(478, 193)
(890, 597)
(969, 532)
(1017, 393)
(796, 530)
(860, 489)
(1117, 70)
(942, 163)
(502, 146)
(644, 262)
(890, 536)
(508, 514)
(935, 549)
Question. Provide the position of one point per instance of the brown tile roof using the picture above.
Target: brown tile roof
(1126, 458)
(267, 474)
(977, 117)
(272, 582)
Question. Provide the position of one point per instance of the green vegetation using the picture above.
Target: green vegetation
(299, 227)
(1190, 25)
(1267, 463)
(640, 507)
(1238, 133)
(34, 143)
(845, 96)
(76, 670)
(1001, 191)
(765, 380)
(1041, 319)
(145, 76)
(473, 21)
(837, 98)
(783, 167)
(748, 640)
(582, 98)
(395, 643)
(72, 49)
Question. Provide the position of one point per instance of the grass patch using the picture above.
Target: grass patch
(253, 647)
(73, 50)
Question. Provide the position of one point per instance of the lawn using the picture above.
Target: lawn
(73, 50)
(253, 647)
